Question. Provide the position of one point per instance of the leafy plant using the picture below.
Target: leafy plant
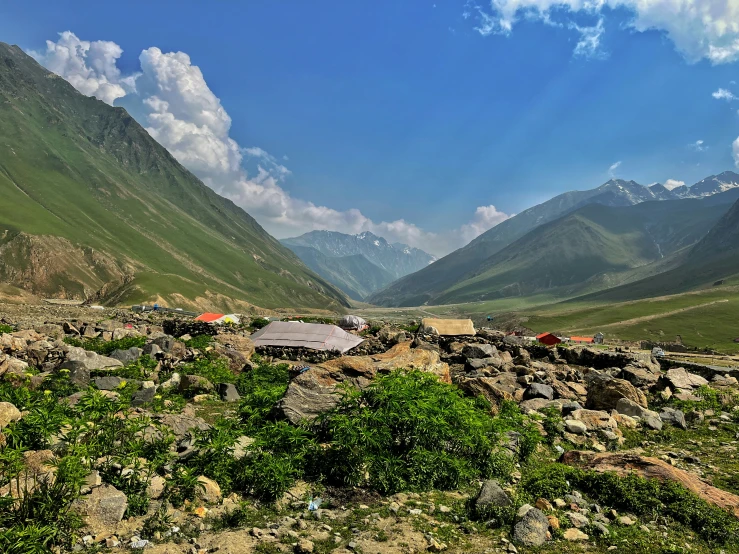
(213, 368)
(408, 431)
(258, 323)
(199, 342)
(6, 328)
(96, 344)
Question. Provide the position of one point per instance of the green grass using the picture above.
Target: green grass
(76, 168)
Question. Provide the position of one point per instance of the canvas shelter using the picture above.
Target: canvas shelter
(353, 322)
(447, 327)
(315, 336)
(218, 318)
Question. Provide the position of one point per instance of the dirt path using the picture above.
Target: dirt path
(654, 316)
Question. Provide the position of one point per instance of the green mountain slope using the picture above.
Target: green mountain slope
(93, 207)
(592, 248)
(355, 274)
(715, 258)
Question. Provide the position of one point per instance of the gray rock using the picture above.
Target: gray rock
(171, 346)
(673, 417)
(652, 422)
(103, 508)
(575, 427)
(679, 378)
(569, 407)
(181, 424)
(600, 529)
(539, 390)
(578, 519)
(474, 351)
(480, 363)
(640, 377)
(173, 382)
(533, 529)
(109, 382)
(127, 356)
(143, 396)
(195, 384)
(152, 350)
(632, 409)
(492, 495)
(228, 392)
(604, 392)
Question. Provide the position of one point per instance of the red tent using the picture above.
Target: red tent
(548, 338)
(208, 317)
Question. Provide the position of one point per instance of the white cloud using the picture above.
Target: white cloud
(735, 151)
(672, 184)
(723, 94)
(186, 117)
(699, 29)
(90, 67)
(698, 146)
(612, 169)
(589, 44)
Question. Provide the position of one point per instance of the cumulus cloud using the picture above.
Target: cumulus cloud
(672, 184)
(735, 151)
(723, 94)
(612, 169)
(184, 115)
(589, 44)
(699, 29)
(90, 67)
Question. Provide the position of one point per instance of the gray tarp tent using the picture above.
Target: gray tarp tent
(306, 335)
(352, 322)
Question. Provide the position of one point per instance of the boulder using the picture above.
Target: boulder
(315, 391)
(474, 351)
(539, 390)
(595, 420)
(152, 350)
(103, 508)
(639, 376)
(8, 414)
(109, 382)
(10, 366)
(143, 396)
(491, 388)
(532, 529)
(228, 392)
(632, 409)
(576, 427)
(491, 495)
(604, 392)
(208, 490)
(181, 424)
(673, 417)
(79, 358)
(172, 346)
(652, 468)
(679, 378)
(195, 384)
(127, 356)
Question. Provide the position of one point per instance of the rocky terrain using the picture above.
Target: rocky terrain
(123, 431)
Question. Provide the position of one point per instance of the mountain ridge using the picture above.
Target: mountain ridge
(76, 170)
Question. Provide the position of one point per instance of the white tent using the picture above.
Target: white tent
(352, 322)
(315, 336)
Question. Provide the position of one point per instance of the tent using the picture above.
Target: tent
(447, 327)
(352, 322)
(218, 318)
(315, 336)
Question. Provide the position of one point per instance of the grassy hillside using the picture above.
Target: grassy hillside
(592, 248)
(94, 207)
(355, 275)
(703, 319)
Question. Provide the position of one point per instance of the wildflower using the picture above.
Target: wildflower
(64, 370)
(157, 397)
(47, 392)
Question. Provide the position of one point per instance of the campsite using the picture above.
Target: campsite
(265, 433)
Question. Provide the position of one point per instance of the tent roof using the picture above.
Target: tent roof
(315, 336)
(208, 317)
(450, 327)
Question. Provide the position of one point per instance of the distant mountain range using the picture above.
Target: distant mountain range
(91, 207)
(357, 264)
(579, 240)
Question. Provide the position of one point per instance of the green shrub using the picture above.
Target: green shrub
(199, 342)
(260, 389)
(213, 368)
(6, 328)
(645, 497)
(96, 344)
(258, 323)
(408, 431)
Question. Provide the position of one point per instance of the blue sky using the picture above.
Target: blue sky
(417, 113)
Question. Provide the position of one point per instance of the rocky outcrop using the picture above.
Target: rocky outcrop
(652, 468)
(604, 392)
(315, 391)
